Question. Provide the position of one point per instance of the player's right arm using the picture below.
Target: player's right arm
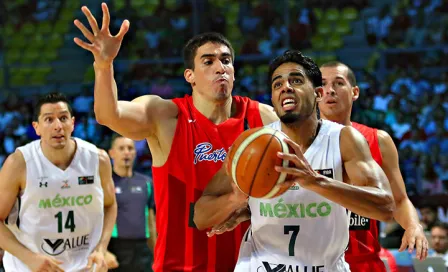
(219, 201)
(12, 175)
(137, 119)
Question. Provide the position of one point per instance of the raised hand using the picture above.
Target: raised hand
(103, 45)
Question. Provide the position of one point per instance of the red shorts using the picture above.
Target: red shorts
(372, 265)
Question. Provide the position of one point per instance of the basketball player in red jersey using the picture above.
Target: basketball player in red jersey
(340, 91)
(188, 137)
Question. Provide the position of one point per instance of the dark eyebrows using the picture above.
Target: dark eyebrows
(292, 74)
(49, 113)
(225, 54)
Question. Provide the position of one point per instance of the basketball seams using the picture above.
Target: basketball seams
(260, 162)
(239, 151)
(281, 178)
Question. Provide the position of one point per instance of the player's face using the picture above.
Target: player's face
(123, 152)
(338, 93)
(55, 124)
(213, 73)
(439, 240)
(293, 94)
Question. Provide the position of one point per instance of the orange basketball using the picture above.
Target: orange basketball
(252, 161)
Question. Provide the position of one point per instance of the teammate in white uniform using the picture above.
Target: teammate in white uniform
(306, 228)
(57, 199)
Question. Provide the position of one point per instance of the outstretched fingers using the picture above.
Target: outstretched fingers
(83, 44)
(92, 21)
(84, 30)
(123, 30)
(106, 17)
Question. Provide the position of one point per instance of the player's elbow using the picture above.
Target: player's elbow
(103, 116)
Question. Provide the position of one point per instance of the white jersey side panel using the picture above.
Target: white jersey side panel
(60, 212)
(300, 230)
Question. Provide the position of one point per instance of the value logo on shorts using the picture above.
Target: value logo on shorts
(271, 267)
(55, 247)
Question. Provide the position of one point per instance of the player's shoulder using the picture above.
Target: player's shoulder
(330, 128)
(85, 146)
(382, 135)
(15, 161)
(364, 128)
(385, 141)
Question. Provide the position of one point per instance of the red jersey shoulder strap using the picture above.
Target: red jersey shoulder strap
(371, 135)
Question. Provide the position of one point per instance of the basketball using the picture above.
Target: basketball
(252, 161)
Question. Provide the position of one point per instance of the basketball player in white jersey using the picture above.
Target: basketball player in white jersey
(64, 194)
(306, 228)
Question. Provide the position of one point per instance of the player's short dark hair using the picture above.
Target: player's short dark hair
(190, 49)
(51, 98)
(311, 69)
(440, 224)
(350, 75)
(114, 137)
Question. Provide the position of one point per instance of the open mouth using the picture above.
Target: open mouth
(58, 137)
(289, 104)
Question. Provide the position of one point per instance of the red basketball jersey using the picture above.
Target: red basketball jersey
(197, 153)
(364, 243)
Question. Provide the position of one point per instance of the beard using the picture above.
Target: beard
(291, 117)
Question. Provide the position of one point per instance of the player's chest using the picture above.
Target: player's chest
(66, 185)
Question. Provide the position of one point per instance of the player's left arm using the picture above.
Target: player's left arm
(405, 213)
(110, 211)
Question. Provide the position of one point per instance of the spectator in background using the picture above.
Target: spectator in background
(83, 103)
(162, 88)
(442, 168)
(428, 216)
(439, 240)
(133, 239)
(427, 177)
(377, 27)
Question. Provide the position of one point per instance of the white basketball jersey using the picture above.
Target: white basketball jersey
(60, 212)
(300, 231)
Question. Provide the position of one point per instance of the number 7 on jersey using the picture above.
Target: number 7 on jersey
(292, 242)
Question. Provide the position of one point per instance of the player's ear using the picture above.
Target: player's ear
(319, 93)
(73, 123)
(355, 93)
(36, 128)
(189, 76)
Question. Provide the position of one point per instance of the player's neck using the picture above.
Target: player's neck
(304, 133)
(343, 119)
(215, 112)
(123, 171)
(60, 157)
